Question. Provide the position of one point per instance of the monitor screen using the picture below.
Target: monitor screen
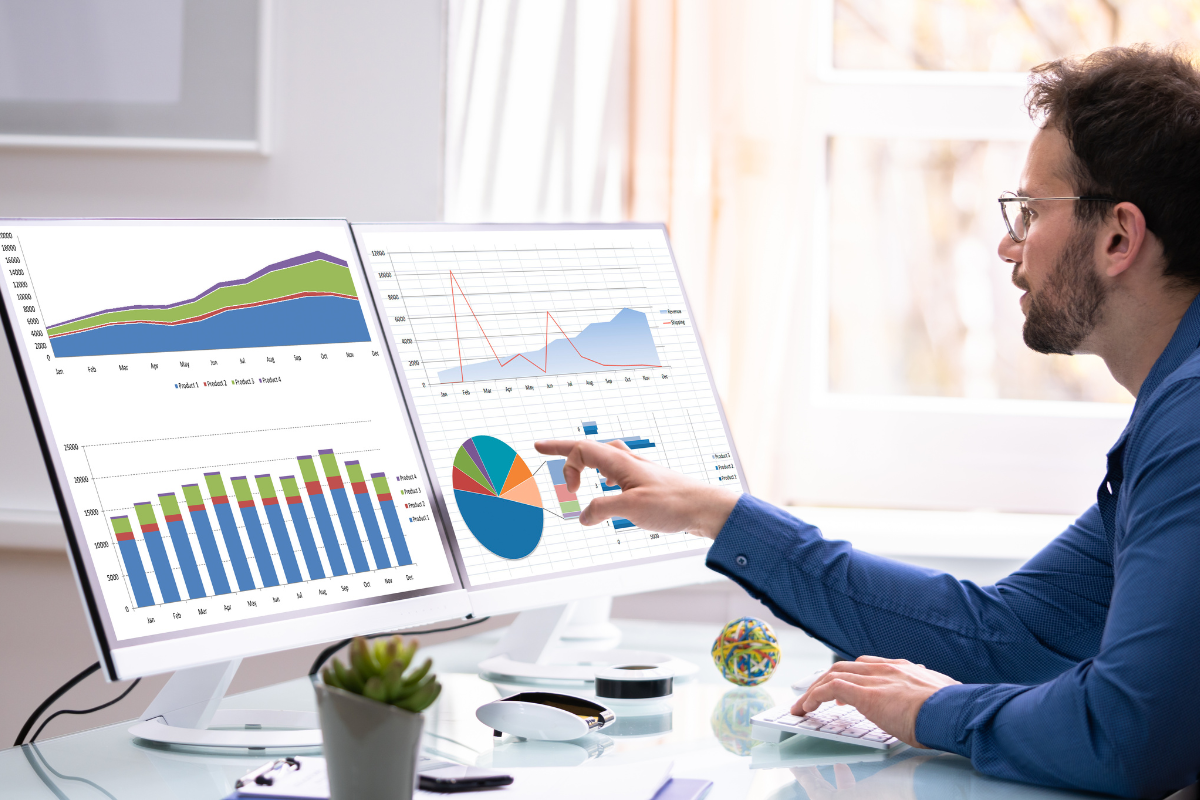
(227, 438)
(507, 334)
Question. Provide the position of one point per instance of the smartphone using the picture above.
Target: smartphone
(463, 783)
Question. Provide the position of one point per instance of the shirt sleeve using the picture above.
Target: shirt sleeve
(1027, 629)
(1121, 722)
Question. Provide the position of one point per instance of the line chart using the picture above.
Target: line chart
(526, 335)
(621, 342)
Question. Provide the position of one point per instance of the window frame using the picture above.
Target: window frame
(906, 451)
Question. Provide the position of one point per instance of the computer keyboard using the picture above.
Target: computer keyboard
(828, 721)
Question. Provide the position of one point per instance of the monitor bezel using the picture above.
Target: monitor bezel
(148, 655)
(630, 577)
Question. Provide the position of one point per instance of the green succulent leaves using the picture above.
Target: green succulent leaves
(380, 672)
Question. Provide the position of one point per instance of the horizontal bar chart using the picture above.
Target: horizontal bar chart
(264, 550)
(620, 522)
(632, 442)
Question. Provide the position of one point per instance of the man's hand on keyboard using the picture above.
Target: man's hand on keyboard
(887, 691)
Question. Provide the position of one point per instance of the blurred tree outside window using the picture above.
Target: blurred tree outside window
(920, 304)
(999, 35)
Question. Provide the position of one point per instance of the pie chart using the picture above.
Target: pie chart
(498, 497)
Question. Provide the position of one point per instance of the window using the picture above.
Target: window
(828, 171)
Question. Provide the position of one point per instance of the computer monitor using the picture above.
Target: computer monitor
(225, 435)
(508, 334)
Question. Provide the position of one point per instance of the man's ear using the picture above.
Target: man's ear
(1123, 238)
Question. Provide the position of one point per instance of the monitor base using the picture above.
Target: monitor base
(186, 713)
(532, 651)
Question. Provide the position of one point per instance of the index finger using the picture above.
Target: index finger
(583, 454)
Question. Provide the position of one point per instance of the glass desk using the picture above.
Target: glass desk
(704, 729)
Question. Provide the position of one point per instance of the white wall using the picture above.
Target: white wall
(355, 106)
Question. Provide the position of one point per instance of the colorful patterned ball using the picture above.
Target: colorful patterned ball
(746, 651)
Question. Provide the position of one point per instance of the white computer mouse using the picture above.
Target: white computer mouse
(549, 716)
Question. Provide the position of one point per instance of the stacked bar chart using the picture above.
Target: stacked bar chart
(621, 522)
(263, 550)
(134, 569)
(388, 507)
(590, 428)
(568, 501)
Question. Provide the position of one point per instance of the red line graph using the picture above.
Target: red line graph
(454, 284)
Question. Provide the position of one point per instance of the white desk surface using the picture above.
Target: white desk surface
(708, 737)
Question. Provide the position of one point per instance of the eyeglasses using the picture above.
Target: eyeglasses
(1018, 227)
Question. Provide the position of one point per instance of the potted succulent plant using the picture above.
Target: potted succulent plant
(371, 719)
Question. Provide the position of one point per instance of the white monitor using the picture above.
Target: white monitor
(508, 334)
(225, 434)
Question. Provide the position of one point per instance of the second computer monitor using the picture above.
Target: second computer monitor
(508, 334)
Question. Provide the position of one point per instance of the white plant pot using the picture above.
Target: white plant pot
(371, 748)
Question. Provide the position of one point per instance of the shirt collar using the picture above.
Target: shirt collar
(1184, 342)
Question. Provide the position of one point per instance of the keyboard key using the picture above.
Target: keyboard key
(788, 719)
(856, 732)
(811, 725)
(878, 737)
(833, 728)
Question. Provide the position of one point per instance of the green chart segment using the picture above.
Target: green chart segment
(151, 554)
(498, 497)
(310, 299)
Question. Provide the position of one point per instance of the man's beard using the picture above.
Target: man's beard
(1065, 311)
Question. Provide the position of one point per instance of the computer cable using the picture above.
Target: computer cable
(112, 702)
(324, 655)
(66, 687)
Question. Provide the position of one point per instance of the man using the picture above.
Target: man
(1079, 670)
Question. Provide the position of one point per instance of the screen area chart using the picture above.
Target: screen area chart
(223, 406)
(509, 336)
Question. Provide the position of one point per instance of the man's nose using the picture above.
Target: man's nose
(1009, 251)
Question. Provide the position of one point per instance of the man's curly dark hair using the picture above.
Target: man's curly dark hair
(1132, 118)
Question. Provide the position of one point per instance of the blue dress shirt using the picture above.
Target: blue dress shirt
(1081, 669)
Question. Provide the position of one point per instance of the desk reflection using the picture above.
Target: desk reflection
(731, 718)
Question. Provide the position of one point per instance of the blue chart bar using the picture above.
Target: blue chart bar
(208, 541)
(308, 545)
(158, 552)
(619, 523)
(134, 569)
(229, 531)
(391, 518)
(254, 531)
(358, 556)
(590, 429)
(316, 496)
(632, 442)
(366, 513)
(283, 544)
(604, 486)
(183, 546)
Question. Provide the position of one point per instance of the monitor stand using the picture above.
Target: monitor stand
(539, 647)
(185, 713)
